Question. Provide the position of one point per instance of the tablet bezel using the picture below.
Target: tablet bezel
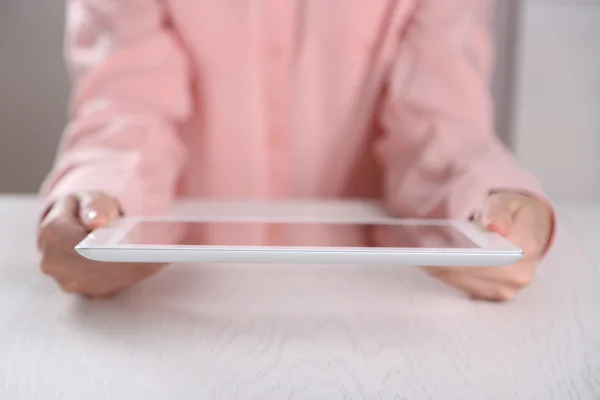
(103, 245)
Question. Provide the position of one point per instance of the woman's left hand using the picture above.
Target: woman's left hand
(526, 222)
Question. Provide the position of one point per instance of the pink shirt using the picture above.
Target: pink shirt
(283, 99)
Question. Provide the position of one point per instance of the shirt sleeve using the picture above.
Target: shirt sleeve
(440, 154)
(130, 92)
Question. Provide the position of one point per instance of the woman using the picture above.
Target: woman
(282, 99)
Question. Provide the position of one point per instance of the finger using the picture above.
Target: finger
(476, 288)
(518, 275)
(109, 280)
(97, 210)
(497, 214)
(69, 285)
(61, 224)
(522, 273)
(64, 209)
(524, 234)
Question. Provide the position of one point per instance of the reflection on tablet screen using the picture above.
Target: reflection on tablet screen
(294, 234)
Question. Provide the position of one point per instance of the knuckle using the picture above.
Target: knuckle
(57, 224)
(50, 268)
(92, 198)
(99, 291)
(522, 279)
(51, 225)
(45, 236)
(437, 272)
(70, 287)
(504, 294)
(102, 294)
(496, 293)
(77, 286)
(92, 195)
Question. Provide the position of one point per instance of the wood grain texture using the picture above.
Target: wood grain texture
(266, 332)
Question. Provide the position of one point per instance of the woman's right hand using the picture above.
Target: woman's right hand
(69, 221)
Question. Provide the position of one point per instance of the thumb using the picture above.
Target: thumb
(97, 210)
(496, 217)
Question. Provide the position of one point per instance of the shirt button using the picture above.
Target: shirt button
(274, 133)
(275, 52)
(274, 138)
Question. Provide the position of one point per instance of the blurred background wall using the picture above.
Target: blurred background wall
(547, 89)
(33, 90)
(557, 126)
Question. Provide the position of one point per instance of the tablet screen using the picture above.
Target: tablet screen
(295, 234)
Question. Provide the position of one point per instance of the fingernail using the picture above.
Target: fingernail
(93, 219)
(91, 215)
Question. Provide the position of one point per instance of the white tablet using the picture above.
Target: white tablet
(385, 241)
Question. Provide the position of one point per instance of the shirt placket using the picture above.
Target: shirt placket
(277, 49)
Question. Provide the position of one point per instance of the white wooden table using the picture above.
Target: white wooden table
(248, 332)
